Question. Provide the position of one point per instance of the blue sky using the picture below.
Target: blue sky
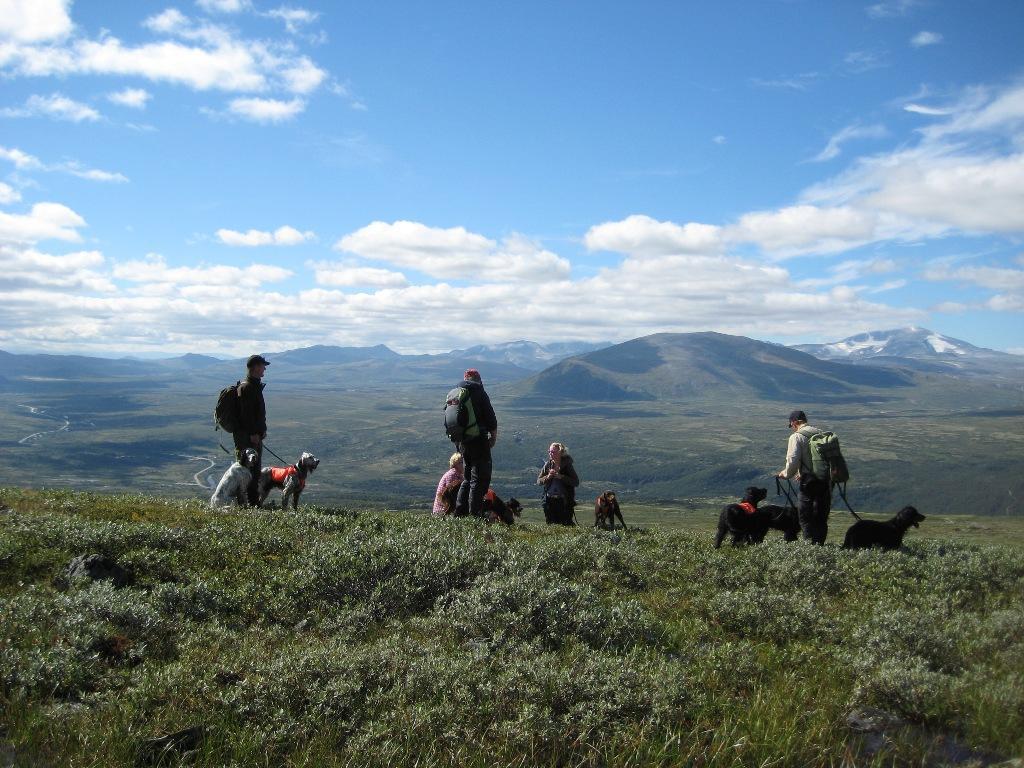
(225, 175)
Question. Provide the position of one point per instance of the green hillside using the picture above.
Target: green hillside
(342, 637)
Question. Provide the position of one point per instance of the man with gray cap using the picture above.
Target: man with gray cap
(252, 420)
(815, 493)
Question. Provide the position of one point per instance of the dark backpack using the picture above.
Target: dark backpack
(227, 414)
(827, 462)
(459, 416)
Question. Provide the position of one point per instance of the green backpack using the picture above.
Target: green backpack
(827, 462)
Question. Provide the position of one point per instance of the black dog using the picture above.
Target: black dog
(774, 517)
(495, 510)
(865, 534)
(741, 519)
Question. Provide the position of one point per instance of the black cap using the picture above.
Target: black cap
(797, 416)
(256, 360)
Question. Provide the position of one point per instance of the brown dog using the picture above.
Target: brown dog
(606, 509)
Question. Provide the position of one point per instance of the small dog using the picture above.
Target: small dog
(865, 534)
(606, 509)
(234, 485)
(496, 510)
(291, 480)
(741, 519)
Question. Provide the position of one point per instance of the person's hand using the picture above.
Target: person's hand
(492, 440)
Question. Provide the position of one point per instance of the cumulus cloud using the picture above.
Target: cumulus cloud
(348, 274)
(924, 38)
(57, 106)
(153, 270)
(29, 269)
(805, 229)
(45, 221)
(453, 253)
(266, 110)
(134, 98)
(641, 235)
(201, 55)
(285, 235)
(34, 21)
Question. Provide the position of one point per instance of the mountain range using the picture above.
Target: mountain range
(675, 366)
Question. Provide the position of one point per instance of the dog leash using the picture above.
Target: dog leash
(264, 446)
(842, 495)
(780, 490)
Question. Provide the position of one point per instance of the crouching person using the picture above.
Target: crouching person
(560, 481)
(233, 487)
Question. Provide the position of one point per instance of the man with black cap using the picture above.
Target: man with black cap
(252, 419)
(815, 493)
(476, 449)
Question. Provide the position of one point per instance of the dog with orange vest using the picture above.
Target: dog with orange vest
(291, 480)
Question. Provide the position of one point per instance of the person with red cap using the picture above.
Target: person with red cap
(475, 448)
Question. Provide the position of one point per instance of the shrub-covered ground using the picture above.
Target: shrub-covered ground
(334, 637)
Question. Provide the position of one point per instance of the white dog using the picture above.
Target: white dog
(234, 486)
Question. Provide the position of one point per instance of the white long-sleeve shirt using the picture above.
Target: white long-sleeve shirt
(798, 451)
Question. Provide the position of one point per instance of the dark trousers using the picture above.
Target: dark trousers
(242, 442)
(815, 505)
(557, 510)
(477, 478)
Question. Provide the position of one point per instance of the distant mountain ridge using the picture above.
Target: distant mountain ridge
(682, 366)
(918, 349)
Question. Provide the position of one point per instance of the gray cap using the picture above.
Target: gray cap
(256, 360)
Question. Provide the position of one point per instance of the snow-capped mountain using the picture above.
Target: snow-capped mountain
(916, 348)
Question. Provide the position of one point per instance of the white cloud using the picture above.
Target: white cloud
(28, 269)
(921, 109)
(348, 274)
(26, 162)
(154, 271)
(849, 133)
(293, 18)
(805, 229)
(34, 21)
(134, 98)
(266, 110)
(719, 139)
(643, 236)
(22, 160)
(8, 194)
(454, 253)
(799, 82)
(94, 174)
(45, 221)
(224, 6)
(924, 38)
(55, 105)
(206, 57)
(285, 235)
(892, 8)
(980, 195)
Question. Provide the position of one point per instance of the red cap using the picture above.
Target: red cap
(472, 373)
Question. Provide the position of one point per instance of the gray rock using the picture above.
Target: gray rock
(85, 568)
(872, 720)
